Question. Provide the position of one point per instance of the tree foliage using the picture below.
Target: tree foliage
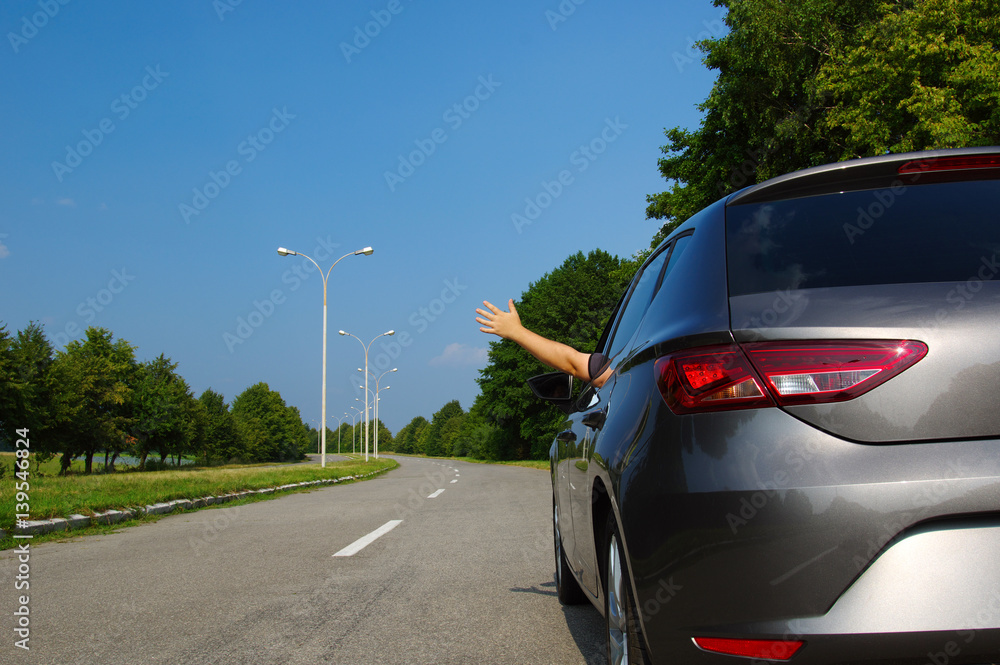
(162, 418)
(30, 395)
(101, 371)
(816, 81)
(925, 75)
(407, 439)
(94, 397)
(275, 431)
(439, 436)
(221, 438)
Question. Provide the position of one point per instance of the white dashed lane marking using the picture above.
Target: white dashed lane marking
(364, 542)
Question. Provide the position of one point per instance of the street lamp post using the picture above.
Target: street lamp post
(394, 369)
(377, 400)
(387, 333)
(287, 252)
(339, 423)
(354, 424)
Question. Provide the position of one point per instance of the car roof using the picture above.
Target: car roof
(871, 173)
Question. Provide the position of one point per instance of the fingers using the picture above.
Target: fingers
(494, 320)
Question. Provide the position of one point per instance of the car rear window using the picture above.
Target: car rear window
(942, 232)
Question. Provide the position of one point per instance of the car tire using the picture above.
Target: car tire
(567, 588)
(624, 631)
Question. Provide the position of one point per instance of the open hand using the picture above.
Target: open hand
(498, 322)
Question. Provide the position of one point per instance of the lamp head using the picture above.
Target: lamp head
(391, 332)
(341, 332)
(367, 251)
(285, 252)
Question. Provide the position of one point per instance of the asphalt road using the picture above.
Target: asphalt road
(464, 577)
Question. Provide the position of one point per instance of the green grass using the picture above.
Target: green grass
(60, 496)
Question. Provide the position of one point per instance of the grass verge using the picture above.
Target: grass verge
(60, 496)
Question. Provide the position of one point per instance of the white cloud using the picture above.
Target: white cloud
(66, 202)
(459, 355)
(4, 250)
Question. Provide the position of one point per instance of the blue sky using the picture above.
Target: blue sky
(156, 154)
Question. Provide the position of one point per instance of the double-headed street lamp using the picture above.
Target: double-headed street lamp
(387, 333)
(287, 252)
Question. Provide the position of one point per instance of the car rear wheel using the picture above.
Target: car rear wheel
(567, 588)
(625, 643)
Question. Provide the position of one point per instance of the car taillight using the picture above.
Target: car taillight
(709, 379)
(761, 649)
(762, 374)
(951, 164)
(830, 371)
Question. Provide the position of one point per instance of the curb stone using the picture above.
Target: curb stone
(35, 527)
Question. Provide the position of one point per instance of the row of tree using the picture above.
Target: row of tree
(94, 398)
(351, 438)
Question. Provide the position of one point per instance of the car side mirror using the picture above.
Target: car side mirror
(556, 388)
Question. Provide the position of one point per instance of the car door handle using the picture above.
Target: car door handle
(595, 419)
(568, 436)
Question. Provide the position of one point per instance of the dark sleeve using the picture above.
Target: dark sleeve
(597, 364)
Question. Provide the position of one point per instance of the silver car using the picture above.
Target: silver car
(797, 456)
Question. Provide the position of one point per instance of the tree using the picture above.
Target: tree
(926, 75)
(8, 416)
(221, 439)
(570, 305)
(101, 371)
(162, 416)
(344, 431)
(474, 434)
(436, 444)
(385, 439)
(406, 440)
(449, 435)
(284, 435)
(34, 394)
(807, 83)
